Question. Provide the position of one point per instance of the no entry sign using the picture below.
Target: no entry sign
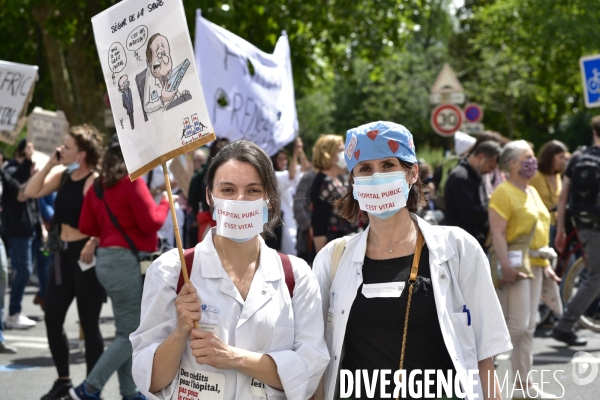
(446, 119)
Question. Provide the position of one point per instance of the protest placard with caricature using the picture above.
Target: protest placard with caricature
(150, 73)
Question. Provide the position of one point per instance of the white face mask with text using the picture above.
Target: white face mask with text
(381, 194)
(240, 221)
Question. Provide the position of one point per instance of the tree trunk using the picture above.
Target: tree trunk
(88, 96)
(77, 88)
(61, 85)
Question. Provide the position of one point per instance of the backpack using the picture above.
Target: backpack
(188, 255)
(584, 202)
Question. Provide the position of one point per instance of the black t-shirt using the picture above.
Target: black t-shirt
(375, 326)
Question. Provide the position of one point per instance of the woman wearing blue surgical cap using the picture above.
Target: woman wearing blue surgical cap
(403, 295)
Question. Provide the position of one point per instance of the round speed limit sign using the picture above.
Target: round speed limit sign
(446, 119)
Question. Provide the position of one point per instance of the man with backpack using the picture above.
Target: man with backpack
(581, 193)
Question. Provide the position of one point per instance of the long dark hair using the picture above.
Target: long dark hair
(113, 164)
(546, 156)
(274, 158)
(248, 152)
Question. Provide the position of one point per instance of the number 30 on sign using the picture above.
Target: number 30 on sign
(446, 119)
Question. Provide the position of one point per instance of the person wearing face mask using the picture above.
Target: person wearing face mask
(519, 258)
(403, 294)
(80, 153)
(465, 194)
(327, 187)
(260, 332)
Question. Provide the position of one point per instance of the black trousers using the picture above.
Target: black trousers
(72, 282)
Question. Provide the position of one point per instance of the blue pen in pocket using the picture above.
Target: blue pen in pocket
(466, 310)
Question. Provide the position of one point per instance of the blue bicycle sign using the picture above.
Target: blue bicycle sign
(590, 74)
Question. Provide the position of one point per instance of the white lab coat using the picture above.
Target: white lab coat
(291, 331)
(460, 275)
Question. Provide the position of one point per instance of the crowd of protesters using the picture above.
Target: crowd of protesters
(86, 228)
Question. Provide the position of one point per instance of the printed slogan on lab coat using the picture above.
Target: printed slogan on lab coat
(200, 385)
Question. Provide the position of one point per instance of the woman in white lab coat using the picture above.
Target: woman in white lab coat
(405, 295)
(259, 335)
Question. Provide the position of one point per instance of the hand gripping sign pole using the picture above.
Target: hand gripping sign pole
(150, 72)
(184, 269)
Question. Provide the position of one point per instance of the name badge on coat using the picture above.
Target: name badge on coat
(387, 289)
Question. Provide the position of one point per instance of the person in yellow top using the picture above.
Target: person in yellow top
(547, 181)
(515, 211)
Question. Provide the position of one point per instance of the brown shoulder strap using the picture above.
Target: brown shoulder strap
(188, 255)
(417, 257)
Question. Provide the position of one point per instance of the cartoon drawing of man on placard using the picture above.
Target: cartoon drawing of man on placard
(159, 82)
(127, 97)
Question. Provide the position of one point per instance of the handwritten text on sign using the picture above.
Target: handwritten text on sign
(16, 81)
(377, 199)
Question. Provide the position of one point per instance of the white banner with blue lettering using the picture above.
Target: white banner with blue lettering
(249, 93)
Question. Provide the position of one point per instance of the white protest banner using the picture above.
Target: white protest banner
(46, 129)
(377, 199)
(148, 64)
(249, 93)
(16, 88)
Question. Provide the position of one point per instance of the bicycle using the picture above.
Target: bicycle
(593, 83)
(574, 276)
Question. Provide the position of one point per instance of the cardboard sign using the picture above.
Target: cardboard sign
(156, 97)
(249, 93)
(17, 82)
(46, 129)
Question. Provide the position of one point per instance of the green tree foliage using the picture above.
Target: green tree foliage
(398, 89)
(355, 61)
(325, 35)
(58, 37)
(521, 62)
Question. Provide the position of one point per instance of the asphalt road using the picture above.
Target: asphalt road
(30, 373)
